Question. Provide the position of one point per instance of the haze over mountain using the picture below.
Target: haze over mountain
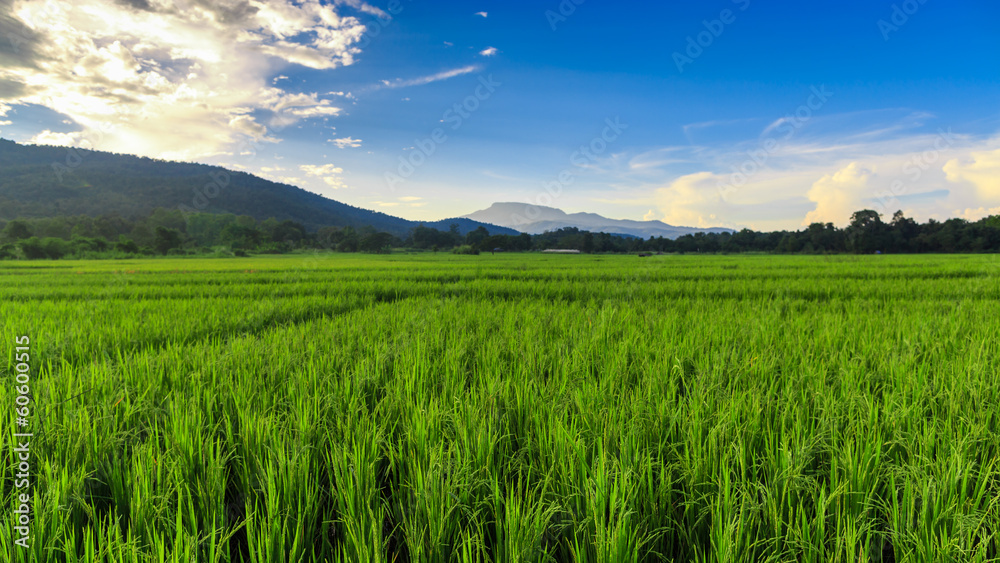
(536, 219)
(46, 181)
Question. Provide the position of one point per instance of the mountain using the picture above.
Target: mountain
(536, 219)
(45, 181)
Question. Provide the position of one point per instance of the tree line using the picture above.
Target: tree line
(173, 233)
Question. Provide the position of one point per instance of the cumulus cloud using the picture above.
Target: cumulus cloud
(838, 195)
(346, 142)
(691, 200)
(979, 169)
(481, 14)
(488, 52)
(175, 80)
(817, 177)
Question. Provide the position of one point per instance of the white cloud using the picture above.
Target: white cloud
(409, 201)
(814, 177)
(981, 170)
(488, 52)
(443, 75)
(480, 14)
(329, 173)
(691, 201)
(248, 126)
(47, 137)
(160, 80)
(346, 142)
(4, 109)
(838, 195)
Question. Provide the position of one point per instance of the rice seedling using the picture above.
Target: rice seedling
(507, 408)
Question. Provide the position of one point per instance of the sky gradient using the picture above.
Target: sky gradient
(734, 113)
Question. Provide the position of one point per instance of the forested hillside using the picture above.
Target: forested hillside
(43, 181)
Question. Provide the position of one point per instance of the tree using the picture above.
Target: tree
(166, 240)
(32, 248)
(17, 230)
(454, 234)
(904, 231)
(864, 232)
(474, 238)
(168, 218)
(289, 232)
(240, 237)
(379, 243)
(349, 240)
(110, 226)
(126, 244)
(141, 234)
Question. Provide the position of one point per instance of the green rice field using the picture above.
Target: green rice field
(505, 408)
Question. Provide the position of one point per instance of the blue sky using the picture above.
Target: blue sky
(731, 113)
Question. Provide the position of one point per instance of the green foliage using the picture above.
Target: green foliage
(32, 248)
(377, 243)
(16, 230)
(8, 251)
(126, 245)
(166, 240)
(113, 186)
(104, 236)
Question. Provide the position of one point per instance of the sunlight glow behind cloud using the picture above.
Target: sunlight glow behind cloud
(175, 81)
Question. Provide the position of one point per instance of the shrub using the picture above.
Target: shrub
(126, 244)
(8, 252)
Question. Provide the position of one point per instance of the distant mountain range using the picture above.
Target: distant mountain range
(536, 219)
(44, 181)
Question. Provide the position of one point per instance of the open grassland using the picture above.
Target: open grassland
(508, 408)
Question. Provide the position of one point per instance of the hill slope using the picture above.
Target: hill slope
(44, 181)
(536, 219)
